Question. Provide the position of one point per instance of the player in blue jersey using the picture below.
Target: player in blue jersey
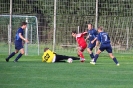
(104, 40)
(92, 37)
(19, 42)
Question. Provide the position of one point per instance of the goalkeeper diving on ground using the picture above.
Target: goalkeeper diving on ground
(51, 57)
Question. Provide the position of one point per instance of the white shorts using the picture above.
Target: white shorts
(54, 59)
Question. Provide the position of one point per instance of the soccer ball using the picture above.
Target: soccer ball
(69, 60)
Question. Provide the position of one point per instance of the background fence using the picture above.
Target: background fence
(114, 15)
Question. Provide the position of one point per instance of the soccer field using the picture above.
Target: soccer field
(30, 72)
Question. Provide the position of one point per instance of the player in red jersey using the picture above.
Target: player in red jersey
(81, 44)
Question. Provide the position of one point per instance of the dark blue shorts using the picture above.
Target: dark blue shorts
(91, 46)
(106, 47)
(18, 46)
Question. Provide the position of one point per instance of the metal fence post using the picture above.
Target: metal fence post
(10, 28)
(26, 36)
(96, 17)
(54, 25)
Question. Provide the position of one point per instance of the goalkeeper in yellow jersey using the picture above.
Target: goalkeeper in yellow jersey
(51, 57)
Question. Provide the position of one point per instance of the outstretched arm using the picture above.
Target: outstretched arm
(84, 33)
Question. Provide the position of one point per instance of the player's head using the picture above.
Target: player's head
(90, 26)
(100, 29)
(45, 49)
(23, 25)
(74, 33)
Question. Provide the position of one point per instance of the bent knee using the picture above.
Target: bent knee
(111, 56)
(89, 50)
(16, 52)
(22, 52)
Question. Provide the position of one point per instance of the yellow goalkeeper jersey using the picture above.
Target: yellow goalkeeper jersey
(48, 56)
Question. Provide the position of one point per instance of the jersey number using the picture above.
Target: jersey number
(46, 57)
(105, 37)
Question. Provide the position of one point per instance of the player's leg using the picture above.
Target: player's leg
(12, 54)
(114, 59)
(64, 57)
(74, 58)
(97, 55)
(60, 58)
(80, 53)
(109, 50)
(91, 53)
(89, 49)
(21, 53)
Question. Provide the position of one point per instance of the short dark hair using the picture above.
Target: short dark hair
(45, 49)
(23, 23)
(90, 24)
(74, 31)
(100, 28)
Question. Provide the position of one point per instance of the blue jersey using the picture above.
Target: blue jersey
(103, 38)
(18, 40)
(92, 34)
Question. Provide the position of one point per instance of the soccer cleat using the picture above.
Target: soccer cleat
(7, 60)
(15, 61)
(82, 59)
(92, 63)
(92, 60)
(117, 64)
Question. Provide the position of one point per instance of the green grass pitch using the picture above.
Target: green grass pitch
(30, 72)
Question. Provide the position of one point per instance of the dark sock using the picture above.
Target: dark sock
(95, 58)
(18, 57)
(115, 60)
(92, 55)
(11, 55)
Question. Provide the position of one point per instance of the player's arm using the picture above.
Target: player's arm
(94, 40)
(84, 33)
(108, 37)
(97, 43)
(95, 34)
(98, 40)
(20, 35)
(43, 60)
(46, 56)
(87, 38)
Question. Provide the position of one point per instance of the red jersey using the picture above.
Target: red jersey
(80, 40)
